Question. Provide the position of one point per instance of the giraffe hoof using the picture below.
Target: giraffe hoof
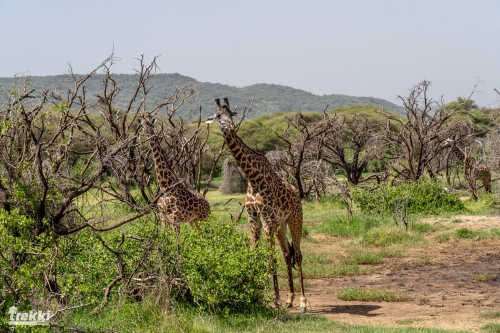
(288, 305)
(303, 310)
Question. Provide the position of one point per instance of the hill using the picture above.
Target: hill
(269, 98)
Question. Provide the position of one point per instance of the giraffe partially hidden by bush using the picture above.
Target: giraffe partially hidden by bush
(270, 202)
(473, 171)
(178, 203)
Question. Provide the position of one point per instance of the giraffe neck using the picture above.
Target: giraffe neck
(255, 165)
(164, 173)
(459, 153)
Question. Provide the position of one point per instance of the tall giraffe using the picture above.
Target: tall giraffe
(179, 203)
(473, 170)
(270, 202)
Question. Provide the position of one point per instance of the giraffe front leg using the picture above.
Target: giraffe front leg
(287, 253)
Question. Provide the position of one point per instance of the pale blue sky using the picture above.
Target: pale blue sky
(357, 48)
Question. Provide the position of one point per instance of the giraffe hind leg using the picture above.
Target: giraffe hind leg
(296, 231)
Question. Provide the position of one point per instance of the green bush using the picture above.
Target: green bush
(423, 197)
(216, 267)
(21, 260)
(223, 272)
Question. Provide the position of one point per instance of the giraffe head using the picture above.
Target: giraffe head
(147, 122)
(223, 115)
(449, 143)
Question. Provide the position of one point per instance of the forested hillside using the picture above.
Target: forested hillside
(269, 98)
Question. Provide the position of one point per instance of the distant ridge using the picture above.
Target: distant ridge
(268, 98)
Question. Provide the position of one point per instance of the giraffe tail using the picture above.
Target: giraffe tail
(292, 254)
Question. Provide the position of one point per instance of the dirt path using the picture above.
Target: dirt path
(444, 295)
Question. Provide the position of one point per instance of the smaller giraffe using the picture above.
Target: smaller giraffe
(473, 170)
(178, 203)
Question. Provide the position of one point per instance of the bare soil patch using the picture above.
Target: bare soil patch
(445, 294)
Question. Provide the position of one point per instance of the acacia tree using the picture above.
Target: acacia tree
(427, 123)
(351, 144)
(303, 137)
(66, 157)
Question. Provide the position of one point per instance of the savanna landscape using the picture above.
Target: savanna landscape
(400, 209)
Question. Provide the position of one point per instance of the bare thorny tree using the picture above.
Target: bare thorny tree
(348, 143)
(352, 144)
(418, 142)
(302, 136)
(66, 157)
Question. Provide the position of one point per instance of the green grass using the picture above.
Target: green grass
(338, 225)
(370, 295)
(484, 277)
(320, 265)
(486, 204)
(151, 318)
(385, 236)
(363, 257)
(223, 204)
(427, 261)
(490, 314)
(366, 240)
(491, 328)
(332, 271)
(464, 233)
(317, 212)
(408, 321)
(424, 227)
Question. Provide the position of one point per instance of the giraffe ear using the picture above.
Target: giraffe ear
(153, 121)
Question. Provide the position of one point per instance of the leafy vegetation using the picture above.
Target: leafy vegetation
(78, 203)
(221, 269)
(423, 197)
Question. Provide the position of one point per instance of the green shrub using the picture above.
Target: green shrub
(22, 260)
(423, 197)
(223, 272)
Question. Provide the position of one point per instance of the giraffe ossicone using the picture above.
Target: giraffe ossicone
(271, 203)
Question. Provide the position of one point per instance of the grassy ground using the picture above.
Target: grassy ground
(151, 319)
(363, 243)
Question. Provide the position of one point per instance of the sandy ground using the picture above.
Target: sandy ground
(443, 295)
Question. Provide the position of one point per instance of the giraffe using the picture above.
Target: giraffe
(271, 203)
(473, 170)
(178, 203)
